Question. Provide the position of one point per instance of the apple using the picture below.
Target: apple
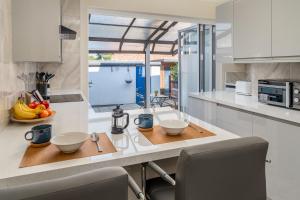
(45, 103)
(33, 104)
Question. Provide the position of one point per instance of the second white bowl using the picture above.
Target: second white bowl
(69, 142)
(173, 127)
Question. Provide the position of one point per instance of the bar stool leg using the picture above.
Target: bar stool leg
(143, 177)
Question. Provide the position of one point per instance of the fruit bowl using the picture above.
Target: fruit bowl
(32, 120)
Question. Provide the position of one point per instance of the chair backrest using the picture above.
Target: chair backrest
(106, 183)
(227, 170)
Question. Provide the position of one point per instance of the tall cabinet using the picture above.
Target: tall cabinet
(252, 28)
(285, 28)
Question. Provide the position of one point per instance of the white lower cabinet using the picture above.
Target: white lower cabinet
(235, 121)
(283, 160)
(203, 110)
(283, 177)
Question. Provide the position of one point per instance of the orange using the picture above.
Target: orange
(44, 114)
(50, 111)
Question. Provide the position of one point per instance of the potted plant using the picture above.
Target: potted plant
(156, 93)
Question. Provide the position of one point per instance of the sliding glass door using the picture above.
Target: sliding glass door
(196, 61)
(189, 65)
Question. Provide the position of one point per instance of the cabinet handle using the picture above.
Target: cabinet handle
(268, 161)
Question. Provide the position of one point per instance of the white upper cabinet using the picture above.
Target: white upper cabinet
(285, 28)
(252, 28)
(36, 30)
(224, 32)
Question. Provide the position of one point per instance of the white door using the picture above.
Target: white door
(282, 173)
(285, 28)
(252, 28)
(235, 121)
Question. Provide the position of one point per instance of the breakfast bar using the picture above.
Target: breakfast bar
(132, 146)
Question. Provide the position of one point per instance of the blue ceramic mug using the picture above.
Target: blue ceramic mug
(144, 121)
(39, 134)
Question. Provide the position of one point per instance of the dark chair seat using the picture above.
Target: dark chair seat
(158, 189)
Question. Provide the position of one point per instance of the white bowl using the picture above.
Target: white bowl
(173, 127)
(69, 142)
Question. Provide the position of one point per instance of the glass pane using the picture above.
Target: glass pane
(106, 31)
(139, 33)
(103, 45)
(133, 47)
(148, 22)
(163, 47)
(110, 19)
(189, 65)
(189, 40)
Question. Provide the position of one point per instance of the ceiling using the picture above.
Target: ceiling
(111, 34)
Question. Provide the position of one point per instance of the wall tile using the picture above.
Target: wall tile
(270, 71)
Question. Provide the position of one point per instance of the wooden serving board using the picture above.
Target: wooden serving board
(50, 154)
(159, 136)
(31, 121)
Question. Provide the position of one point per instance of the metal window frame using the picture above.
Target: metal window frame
(214, 64)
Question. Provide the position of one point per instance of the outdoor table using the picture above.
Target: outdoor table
(158, 99)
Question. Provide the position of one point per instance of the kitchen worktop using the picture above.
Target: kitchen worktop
(132, 147)
(250, 104)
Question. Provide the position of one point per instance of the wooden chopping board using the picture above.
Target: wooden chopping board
(50, 154)
(159, 136)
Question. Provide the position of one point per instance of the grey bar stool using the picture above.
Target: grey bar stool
(227, 170)
(105, 183)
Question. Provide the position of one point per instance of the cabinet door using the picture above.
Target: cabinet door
(224, 32)
(285, 28)
(252, 28)
(283, 177)
(235, 121)
(203, 110)
(36, 35)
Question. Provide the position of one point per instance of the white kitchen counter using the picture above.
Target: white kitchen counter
(133, 147)
(249, 103)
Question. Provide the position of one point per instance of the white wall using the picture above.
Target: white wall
(109, 87)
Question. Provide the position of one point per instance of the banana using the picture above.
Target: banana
(20, 112)
(37, 110)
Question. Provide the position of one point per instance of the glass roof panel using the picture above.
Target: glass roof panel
(139, 33)
(109, 46)
(163, 47)
(110, 19)
(133, 47)
(172, 34)
(147, 22)
(106, 31)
